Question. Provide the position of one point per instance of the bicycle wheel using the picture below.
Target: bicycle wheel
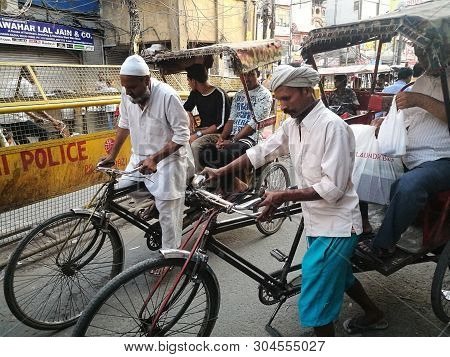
(440, 287)
(47, 290)
(274, 177)
(127, 305)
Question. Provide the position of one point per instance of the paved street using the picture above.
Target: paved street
(404, 296)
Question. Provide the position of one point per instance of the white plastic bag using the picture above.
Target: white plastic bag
(373, 173)
(392, 138)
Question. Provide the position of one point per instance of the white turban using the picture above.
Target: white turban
(289, 76)
(134, 66)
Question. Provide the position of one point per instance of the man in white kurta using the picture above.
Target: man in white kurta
(152, 113)
(322, 149)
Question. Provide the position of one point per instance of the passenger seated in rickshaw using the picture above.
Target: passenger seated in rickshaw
(213, 106)
(427, 160)
(239, 133)
(342, 98)
(403, 78)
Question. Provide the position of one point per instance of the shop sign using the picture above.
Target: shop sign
(44, 34)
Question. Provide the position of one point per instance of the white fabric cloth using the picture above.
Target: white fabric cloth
(170, 215)
(134, 66)
(162, 120)
(289, 76)
(323, 159)
(428, 137)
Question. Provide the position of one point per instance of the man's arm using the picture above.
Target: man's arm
(274, 199)
(245, 132)
(191, 123)
(227, 129)
(150, 163)
(121, 136)
(412, 99)
(179, 123)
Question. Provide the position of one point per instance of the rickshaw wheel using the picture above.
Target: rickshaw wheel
(273, 177)
(440, 288)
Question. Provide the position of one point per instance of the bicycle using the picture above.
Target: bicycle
(60, 265)
(177, 292)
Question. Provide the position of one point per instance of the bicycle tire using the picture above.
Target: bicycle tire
(127, 292)
(438, 290)
(53, 296)
(269, 228)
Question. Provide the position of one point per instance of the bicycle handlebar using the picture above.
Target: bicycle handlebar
(117, 172)
(199, 181)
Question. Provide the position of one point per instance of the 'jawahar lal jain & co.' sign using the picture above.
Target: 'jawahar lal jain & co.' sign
(44, 34)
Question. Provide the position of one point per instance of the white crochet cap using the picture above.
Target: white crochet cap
(134, 66)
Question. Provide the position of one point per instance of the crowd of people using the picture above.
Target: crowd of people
(321, 145)
(170, 143)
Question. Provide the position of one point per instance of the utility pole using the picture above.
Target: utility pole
(272, 21)
(265, 17)
(290, 33)
(399, 50)
(135, 27)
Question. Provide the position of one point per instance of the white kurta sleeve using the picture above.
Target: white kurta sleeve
(276, 145)
(177, 119)
(123, 121)
(337, 163)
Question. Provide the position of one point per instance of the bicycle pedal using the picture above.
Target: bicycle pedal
(279, 255)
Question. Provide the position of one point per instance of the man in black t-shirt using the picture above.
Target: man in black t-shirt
(213, 106)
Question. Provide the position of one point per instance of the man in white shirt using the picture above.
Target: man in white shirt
(427, 159)
(152, 113)
(322, 149)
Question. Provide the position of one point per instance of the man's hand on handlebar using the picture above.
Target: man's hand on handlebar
(148, 166)
(106, 161)
(271, 201)
(211, 174)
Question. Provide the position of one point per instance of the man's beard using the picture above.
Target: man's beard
(141, 99)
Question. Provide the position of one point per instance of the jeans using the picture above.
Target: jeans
(216, 158)
(199, 145)
(409, 195)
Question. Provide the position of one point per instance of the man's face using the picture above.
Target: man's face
(251, 79)
(192, 83)
(293, 101)
(136, 88)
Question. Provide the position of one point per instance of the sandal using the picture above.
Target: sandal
(357, 325)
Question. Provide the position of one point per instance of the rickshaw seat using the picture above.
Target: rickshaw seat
(436, 219)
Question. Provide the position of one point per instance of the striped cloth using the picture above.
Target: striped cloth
(428, 137)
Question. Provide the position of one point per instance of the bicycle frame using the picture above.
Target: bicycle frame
(206, 242)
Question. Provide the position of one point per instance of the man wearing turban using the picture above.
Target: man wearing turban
(152, 113)
(322, 150)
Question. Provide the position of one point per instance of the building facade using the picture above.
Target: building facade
(51, 31)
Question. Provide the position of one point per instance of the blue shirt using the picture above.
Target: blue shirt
(395, 88)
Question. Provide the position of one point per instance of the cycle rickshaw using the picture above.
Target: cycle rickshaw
(62, 263)
(177, 292)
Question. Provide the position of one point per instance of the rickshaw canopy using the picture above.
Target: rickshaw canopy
(244, 56)
(426, 25)
(356, 69)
